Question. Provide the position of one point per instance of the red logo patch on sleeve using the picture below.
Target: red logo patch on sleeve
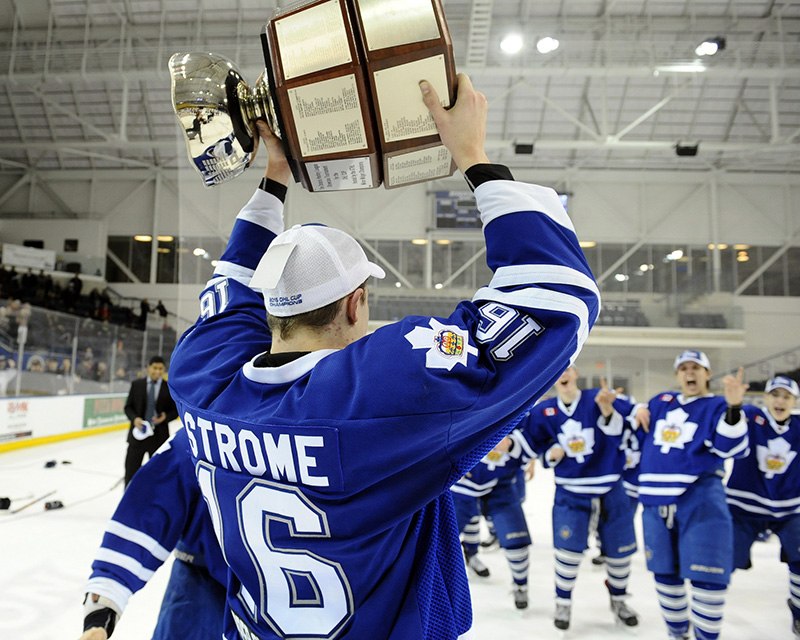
(550, 412)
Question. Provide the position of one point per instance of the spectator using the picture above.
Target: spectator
(150, 409)
(144, 309)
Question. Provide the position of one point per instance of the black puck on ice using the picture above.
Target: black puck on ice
(55, 504)
(50, 464)
(5, 503)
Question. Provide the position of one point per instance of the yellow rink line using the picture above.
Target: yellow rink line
(35, 442)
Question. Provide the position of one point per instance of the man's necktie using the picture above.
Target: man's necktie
(150, 411)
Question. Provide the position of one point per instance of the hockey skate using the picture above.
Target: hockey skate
(520, 593)
(622, 613)
(475, 563)
(599, 559)
(491, 541)
(563, 613)
(796, 627)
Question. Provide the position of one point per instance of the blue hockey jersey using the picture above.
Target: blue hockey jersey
(688, 438)
(328, 476)
(495, 467)
(161, 510)
(766, 483)
(594, 459)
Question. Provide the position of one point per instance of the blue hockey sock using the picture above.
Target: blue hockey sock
(674, 603)
(794, 589)
(567, 563)
(619, 573)
(708, 600)
(518, 563)
(470, 536)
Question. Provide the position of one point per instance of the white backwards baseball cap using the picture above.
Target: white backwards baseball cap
(310, 266)
(692, 356)
(782, 382)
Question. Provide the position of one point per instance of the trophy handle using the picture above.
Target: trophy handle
(214, 105)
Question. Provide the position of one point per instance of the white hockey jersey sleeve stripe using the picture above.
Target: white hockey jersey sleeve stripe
(114, 591)
(125, 562)
(265, 210)
(232, 270)
(611, 477)
(533, 298)
(667, 477)
(501, 197)
(524, 274)
(137, 537)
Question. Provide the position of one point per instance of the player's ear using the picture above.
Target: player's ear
(352, 306)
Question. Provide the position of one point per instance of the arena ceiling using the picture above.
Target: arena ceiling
(84, 83)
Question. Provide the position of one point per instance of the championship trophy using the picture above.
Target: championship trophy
(340, 90)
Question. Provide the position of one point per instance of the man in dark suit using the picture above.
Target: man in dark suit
(150, 409)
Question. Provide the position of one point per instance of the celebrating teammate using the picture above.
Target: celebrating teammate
(325, 454)
(495, 488)
(688, 532)
(764, 488)
(580, 434)
(160, 510)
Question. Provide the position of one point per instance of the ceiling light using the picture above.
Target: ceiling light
(199, 251)
(438, 285)
(620, 277)
(587, 244)
(741, 247)
(214, 263)
(163, 250)
(166, 238)
(443, 241)
(143, 238)
(710, 46)
(512, 43)
(742, 257)
(546, 45)
(398, 285)
(419, 241)
(675, 255)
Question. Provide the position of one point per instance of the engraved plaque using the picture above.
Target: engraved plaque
(391, 23)
(312, 40)
(401, 113)
(418, 166)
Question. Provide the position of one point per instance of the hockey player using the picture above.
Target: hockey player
(326, 454)
(688, 533)
(161, 510)
(490, 489)
(579, 433)
(763, 489)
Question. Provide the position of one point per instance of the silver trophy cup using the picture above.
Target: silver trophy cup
(215, 107)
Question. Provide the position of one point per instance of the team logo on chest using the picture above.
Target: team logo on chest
(576, 441)
(674, 431)
(775, 458)
(447, 345)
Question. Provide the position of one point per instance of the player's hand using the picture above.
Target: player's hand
(735, 387)
(605, 398)
(277, 165)
(555, 454)
(529, 470)
(642, 418)
(95, 633)
(463, 127)
(137, 422)
(504, 446)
